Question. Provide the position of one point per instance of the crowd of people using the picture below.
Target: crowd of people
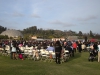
(57, 46)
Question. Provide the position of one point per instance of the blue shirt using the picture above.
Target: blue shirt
(50, 48)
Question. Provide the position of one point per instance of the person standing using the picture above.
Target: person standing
(58, 50)
(74, 45)
(79, 46)
(99, 52)
(83, 47)
(14, 50)
(95, 47)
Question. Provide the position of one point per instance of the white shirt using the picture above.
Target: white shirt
(13, 49)
(99, 48)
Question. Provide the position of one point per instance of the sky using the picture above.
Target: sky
(75, 15)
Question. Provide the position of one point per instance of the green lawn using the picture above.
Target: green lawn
(78, 65)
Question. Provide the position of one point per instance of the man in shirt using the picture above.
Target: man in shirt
(50, 48)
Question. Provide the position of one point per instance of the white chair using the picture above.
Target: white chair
(27, 48)
(30, 54)
(7, 50)
(35, 47)
(25, 52)
(53, 55)
(43, 54)
(31, 47)
(51, 52)
(22, 48)
(1, 51)
(36, 55)
(47, 54)
(7, 47)
(66, 55)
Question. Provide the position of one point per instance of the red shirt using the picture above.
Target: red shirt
(74, 45)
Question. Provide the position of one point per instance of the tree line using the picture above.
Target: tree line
(50, 33)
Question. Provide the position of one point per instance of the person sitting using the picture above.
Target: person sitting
(50, 48)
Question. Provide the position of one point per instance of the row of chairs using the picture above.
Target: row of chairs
(5, 51)
(41, 54)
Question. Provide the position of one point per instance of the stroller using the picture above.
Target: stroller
(66, 55)
(91, 55)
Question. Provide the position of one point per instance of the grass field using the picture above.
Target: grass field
(78, 65)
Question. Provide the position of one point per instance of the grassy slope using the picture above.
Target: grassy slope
(78, 65)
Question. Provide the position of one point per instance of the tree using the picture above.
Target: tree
(2, 29)
(91, 34)
(80, 33)
(4, 37)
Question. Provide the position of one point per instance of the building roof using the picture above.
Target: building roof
(12, 33)
(72, 37)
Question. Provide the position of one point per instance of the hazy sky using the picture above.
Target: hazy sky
(75, 15)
